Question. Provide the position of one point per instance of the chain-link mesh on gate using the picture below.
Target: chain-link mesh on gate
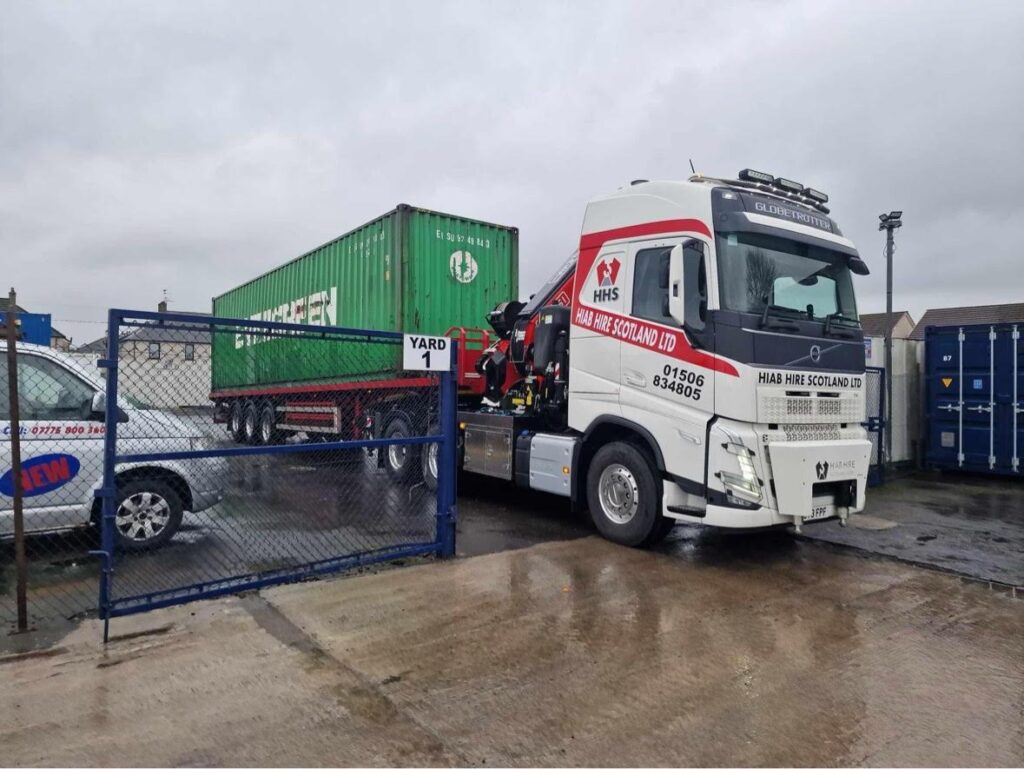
(60, 424)
(246, 453)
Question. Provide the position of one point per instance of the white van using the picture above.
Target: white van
(61, 405)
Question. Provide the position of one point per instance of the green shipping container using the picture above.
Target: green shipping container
(410, 270)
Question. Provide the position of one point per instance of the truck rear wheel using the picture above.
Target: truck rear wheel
(402, 461)
(624, 497)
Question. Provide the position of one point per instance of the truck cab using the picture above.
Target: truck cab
(708, 366)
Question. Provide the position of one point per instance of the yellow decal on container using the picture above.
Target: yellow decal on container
(947, 381)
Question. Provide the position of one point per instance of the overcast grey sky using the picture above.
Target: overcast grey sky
(188, 146)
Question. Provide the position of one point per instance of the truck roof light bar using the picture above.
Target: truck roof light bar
(816, 195)
(750, 175)
(787, 185)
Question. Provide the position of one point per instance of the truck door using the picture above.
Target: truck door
(670, 396)
(61, 446)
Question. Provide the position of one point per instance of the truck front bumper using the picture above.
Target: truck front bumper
(810, 481)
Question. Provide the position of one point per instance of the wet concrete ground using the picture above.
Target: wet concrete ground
(971, 525)
(747, 650)
(284, 511)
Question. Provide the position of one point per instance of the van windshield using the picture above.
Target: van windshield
(756, 272)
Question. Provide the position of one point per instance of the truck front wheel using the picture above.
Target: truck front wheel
(623, 496)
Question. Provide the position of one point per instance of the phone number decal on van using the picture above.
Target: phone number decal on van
(41, 475)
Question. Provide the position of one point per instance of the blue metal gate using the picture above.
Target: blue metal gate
(209, 493)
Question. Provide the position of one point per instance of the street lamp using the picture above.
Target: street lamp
(888, 222)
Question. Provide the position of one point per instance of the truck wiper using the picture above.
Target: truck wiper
(775, 309)
(839, 316)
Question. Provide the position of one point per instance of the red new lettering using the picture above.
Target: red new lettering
(36, 474)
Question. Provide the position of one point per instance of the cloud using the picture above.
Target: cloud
(191, 146)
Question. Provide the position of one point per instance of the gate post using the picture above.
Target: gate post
(108, 492)
(447, 457)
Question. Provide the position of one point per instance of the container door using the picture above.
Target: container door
(944, 397)
(978, 385)
(1007, 408)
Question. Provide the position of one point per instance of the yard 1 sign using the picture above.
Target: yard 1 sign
(426, 353)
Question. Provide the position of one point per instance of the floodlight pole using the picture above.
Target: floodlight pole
(888, 222)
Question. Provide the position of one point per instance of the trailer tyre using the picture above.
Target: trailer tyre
(402, 462)
(236, 421)
(268, 432)
(250, 423)
(623, 496)
(429, 458)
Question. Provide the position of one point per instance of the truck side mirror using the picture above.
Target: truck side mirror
(676, 302)
(695, 283)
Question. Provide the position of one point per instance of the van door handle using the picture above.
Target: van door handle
(635, 379)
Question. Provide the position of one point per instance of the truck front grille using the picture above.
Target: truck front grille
(808, 407)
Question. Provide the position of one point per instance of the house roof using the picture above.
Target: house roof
(968, 316)
(876, 323)
(156, 331)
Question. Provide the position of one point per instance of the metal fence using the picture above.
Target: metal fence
(264, 480)
(875, 407)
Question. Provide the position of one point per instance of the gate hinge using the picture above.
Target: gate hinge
(104, 494)
(105, 363)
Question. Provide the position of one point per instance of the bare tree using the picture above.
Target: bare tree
(761, 275)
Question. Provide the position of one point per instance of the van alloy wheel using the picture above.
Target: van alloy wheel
(143, 516)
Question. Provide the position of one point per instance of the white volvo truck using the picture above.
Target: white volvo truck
(698, 359)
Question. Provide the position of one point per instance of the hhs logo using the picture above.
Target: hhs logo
(607, 274)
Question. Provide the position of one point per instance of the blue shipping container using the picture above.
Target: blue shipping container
(34, 327)
(975, 397)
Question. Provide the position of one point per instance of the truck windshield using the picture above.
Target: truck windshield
(756, 272)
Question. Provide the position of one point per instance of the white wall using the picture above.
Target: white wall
(906, 395)
(170, 382)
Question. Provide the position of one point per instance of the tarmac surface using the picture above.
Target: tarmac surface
(967, 524)
(748, 650)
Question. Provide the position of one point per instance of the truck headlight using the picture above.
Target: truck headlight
(744, 484)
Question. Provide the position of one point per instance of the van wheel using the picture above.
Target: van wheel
(624, 497)
(147, 515)
(268, 432)
(401, 461)
(250, 423)
(236, 419)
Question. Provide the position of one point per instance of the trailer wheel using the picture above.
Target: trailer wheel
(268, 432)
(236, 421)
(623, 496)
(401, 461)
(250, 423)
(429, 457)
